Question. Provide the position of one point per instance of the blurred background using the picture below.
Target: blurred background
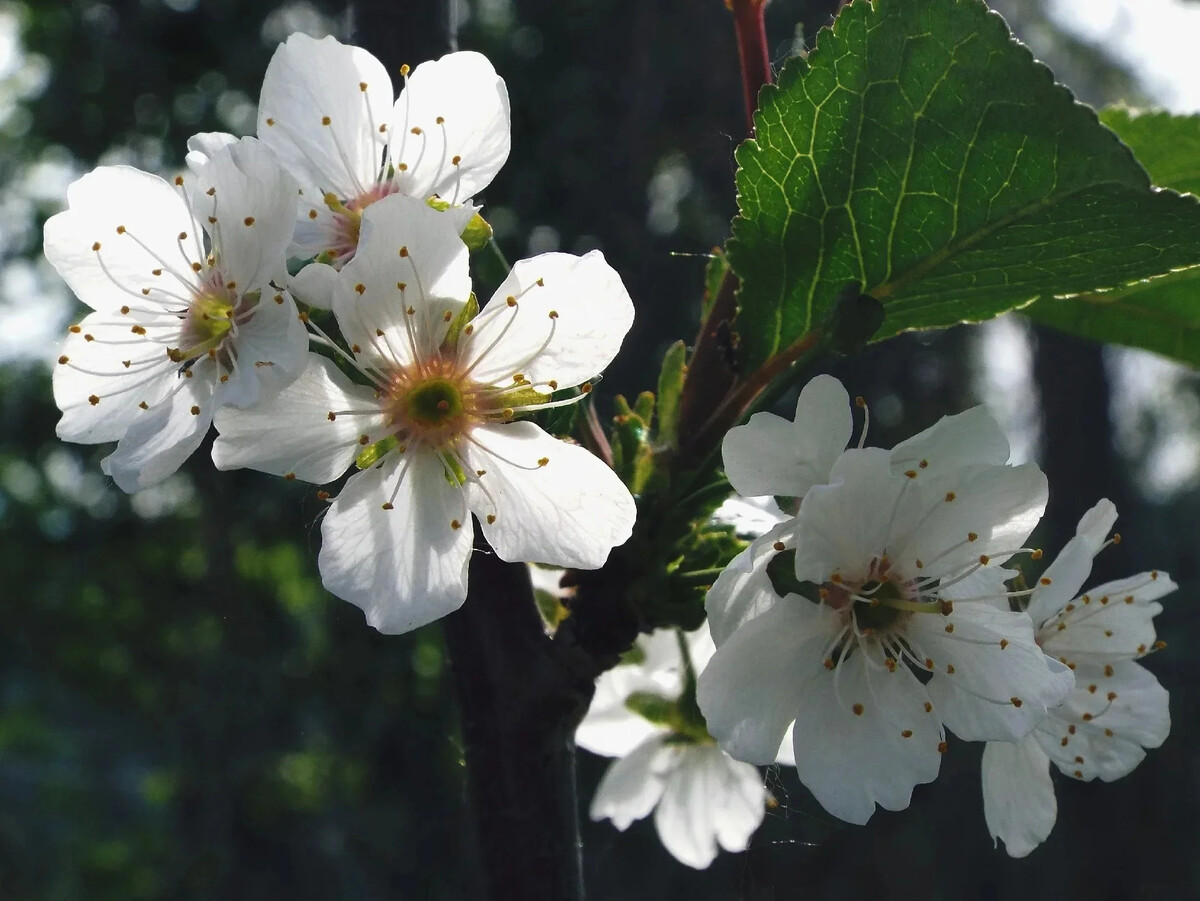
(186, 714)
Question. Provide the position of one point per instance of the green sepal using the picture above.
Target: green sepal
(477, 234)
(373, 453)
(652, 707)
(670, 386)
(469, 311)
(454, 473)
(522, 397)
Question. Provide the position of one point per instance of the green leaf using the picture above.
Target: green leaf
(923, 154)
(1162, 314)
(1166, 144)
(670, 386)
(714, 277)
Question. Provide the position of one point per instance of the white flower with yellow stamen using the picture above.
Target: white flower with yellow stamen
(326, 110)
(1117, 708)
(643, 715)
(895, 570)
(187, 317)
(433, 434)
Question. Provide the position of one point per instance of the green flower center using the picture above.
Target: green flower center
(209, 319)
(880, 616)
(434, 403)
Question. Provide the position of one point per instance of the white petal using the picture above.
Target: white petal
(1018, 795)
(743, 590)
(157, 443)
(610, 728)
(459, 106)
(632, 785)
(407, 566)
(843, 525)
(308, 81)
(769, 455)
(291, 432)
(254, 202)
(568, 511)
(1111, 622)
(271, 349)
(709, 799)
(203, 146)
(152, 213)
(1000, 505)
(1073, 565)
(749, 516)
(1093, 735)
(95, 369)
(751, 689)
(314, 285)
(864, 737)
(991, 681)
(403, 242)
(786, 756)
(970, 438)
(567, 323)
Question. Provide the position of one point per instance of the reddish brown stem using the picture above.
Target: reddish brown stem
(750, 25)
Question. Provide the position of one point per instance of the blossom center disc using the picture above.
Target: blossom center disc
(208, 320)
(881, 614)
(432, 411)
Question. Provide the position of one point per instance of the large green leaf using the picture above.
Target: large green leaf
(922, 153)
(1162, 314)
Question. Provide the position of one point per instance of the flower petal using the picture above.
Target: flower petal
(323, 112)
(843, 525)
(1018, 795)
(314, 285)
(1114, 713)
(864, 737)
(743, 590)
(450, 128)
(632, 785)
(107, 268)
(991, 681)
(565, 323)
(709, 798)
(271, 349)
(405, 566)
(253, 201)
(751, 689)
(543, 500)
(771, 456)
(999, 505)
(409, 258)
(1064, 578)
(291, 432)
(970, 438)
(204, 146)
(98, 393)
(1113, 621)
(157, 443)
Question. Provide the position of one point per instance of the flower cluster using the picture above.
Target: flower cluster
(880, 615)
(420, 391)
(644, 713)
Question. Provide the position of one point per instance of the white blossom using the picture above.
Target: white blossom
(702, 798)
(1117, 708)
(433, 435)
(326, 110)
(896, 560)
(187, 315)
